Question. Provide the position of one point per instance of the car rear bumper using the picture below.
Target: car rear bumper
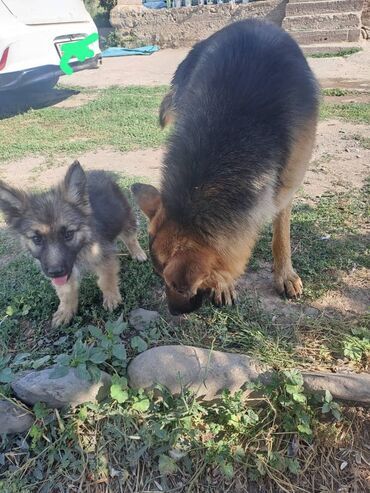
(23, 78)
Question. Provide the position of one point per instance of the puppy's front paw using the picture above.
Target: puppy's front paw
(289, 284)
(111, 301)
(224, 296)
(62, 316)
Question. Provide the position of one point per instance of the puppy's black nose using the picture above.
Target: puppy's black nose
(56, 271)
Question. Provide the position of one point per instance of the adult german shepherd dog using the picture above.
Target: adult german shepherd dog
(244, 106)
(72, 227)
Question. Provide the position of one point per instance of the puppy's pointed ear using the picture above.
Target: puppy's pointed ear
(75, 185)
(147, 197)
(185, 273)
(13, 203)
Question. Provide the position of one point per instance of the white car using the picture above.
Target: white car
(31, 33)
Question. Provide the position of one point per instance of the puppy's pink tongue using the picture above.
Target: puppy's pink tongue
(59, 281)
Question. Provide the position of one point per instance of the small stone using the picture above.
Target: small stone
(69, 390)
(206, 373)
(13, 418)
(141, 319)
(310, 311)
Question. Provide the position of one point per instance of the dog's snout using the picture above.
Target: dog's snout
(56, 271)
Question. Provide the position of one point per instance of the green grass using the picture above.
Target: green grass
(337, 91)
(339, 53)
(123, 118)
(353, 112)
(328, 239)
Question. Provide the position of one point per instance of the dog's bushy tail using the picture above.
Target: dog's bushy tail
(166, 110)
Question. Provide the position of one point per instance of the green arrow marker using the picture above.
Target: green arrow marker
(78, 49)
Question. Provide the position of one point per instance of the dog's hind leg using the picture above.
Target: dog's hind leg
(68, 301)
(133, 246)
(108, 282)
(287, 280)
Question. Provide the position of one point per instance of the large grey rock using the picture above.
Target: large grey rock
(13, 418)
(204, 372)
(207, 373)
(69, 390)
(141, 319)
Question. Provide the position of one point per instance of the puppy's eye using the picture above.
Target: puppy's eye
(37, 239)
(68, 235)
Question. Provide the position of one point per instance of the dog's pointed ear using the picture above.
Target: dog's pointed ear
(147, 197)
(75, 185)
(185, 273)
(13, 202)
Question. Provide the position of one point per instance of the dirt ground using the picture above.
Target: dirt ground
(339, 161)
(158, 68)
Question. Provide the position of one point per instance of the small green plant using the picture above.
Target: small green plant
(84, 358)
(103, 347)
(356, 347)
(287, 393)
(110, 341)
(330, 406)
(6, 373)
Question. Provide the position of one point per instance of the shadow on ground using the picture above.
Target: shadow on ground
(14, 103)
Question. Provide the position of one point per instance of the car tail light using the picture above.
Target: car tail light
(4, 58)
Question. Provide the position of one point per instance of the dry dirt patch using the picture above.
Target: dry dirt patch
(339, 161)
(41, 172)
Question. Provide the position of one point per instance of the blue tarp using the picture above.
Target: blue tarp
(155, 5)
(118, 51)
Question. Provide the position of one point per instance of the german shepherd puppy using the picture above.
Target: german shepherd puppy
(71, 227)
(244, 106)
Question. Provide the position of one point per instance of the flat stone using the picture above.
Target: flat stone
(13, 418)
(204, 372)
(353, 387)
(141, 319)
(207, 373)
(69, 390)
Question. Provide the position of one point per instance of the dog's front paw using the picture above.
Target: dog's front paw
(111, 301)
(289, 284)
(62, 317)
(140, 255)
(224, 296)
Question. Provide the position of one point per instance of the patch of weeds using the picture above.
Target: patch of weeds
(335, 54)
(363, 141)
(94, 348)
(171, 439)
(356, 346)
(327, 239)
(337, 91)
(123, 118)
(352, 112)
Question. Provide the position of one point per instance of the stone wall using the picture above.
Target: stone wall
(366, 13)
(175, 27)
